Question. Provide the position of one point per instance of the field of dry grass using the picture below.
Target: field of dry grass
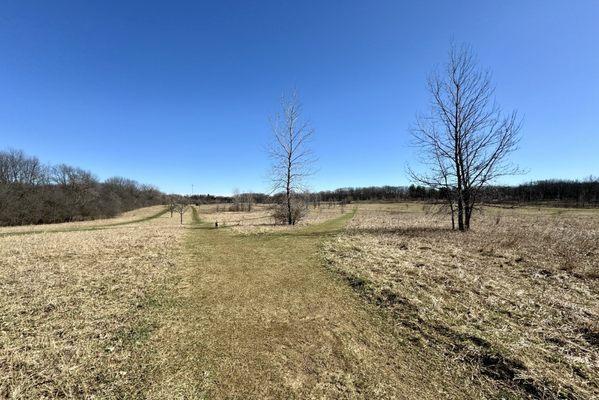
(260, 219)
(142, 307)
(75, 306)
(126, 218)
(515, 301)
(257, 316)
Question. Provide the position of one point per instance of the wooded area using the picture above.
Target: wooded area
(34, 193)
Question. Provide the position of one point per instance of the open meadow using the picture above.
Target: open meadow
(314, 200)
(514, 302)
(75, 300)
(365, 301)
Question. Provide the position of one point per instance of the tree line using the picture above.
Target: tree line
(555, 192)
(35, 193)
(560, 193)
(32, 192)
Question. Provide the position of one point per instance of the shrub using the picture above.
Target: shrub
(298, 211)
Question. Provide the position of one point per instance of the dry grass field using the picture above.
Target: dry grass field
(260, 219)
(130, 217)
(381, 301)
(256, 315)
(514, 302)
(75, 305)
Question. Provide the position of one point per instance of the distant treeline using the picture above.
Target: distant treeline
(34, 193)
(566, 193)
(212, 199)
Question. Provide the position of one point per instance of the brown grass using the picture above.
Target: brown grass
(256, 316)
(516, 299)
(152, 309)
(260, 219)
(128, 217)
(74, 308)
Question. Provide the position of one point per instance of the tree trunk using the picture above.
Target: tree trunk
(460, 196)
(468, 204)
(468, 215)
(289, 217)
(288, 189)
(458, 170)
(460, 215)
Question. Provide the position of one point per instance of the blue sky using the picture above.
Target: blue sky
(179, 93)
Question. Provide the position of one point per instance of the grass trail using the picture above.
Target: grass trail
(258, 316)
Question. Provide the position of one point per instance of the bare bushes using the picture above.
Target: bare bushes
(241, 201)
(297, 210)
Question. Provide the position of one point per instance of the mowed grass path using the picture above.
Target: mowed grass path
(259, 316)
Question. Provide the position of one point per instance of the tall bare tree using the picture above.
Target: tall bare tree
(466, 138)
(292, 158)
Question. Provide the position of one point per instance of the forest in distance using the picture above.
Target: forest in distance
(32, 192)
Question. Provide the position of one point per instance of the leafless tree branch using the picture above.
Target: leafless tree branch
(465, 139)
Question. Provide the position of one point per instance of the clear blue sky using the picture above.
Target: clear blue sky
(175, 93)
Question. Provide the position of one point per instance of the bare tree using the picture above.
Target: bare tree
(466, 138)
(248, 200)
(181, 208)
(18, 168)
(292, 159)
(237, 200)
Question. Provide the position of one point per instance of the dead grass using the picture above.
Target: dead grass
(257, 316)
(515, 300)
(75, 308)
(133, 216)
(153, 309)
(260, 219)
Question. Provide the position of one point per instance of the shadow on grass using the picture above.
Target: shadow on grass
(407, 231)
